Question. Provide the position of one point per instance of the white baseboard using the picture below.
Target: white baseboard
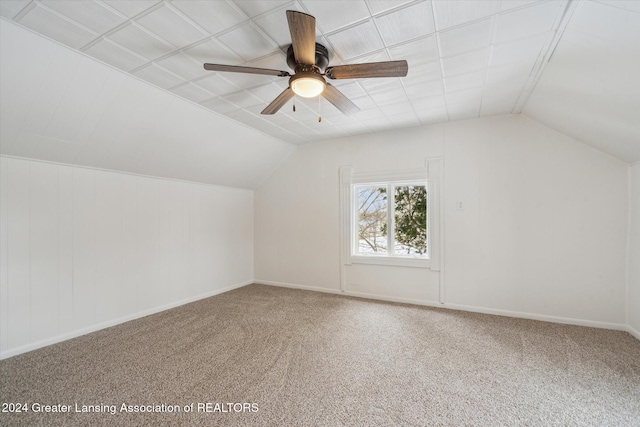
(474, 309)
(541, 317)
(93, 328)
(633, 332)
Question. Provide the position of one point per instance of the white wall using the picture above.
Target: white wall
(297, 216)
(542, 233)
(83, 249)
(633, 292)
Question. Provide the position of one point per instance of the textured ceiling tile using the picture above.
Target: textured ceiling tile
(429, 102)
(422, 73)
(166, 24)
(253, 8)
(511, 72)
(380, 6)
(140, 42)
(243, 99)
(115, 55)
(184, 66)
(219, 105)
(217, 84)
(51, 25)
(464, 81)
(192, 92)
(397, 108)
(214, 52)
(267, 92)
(274, 24)
(247, 42)
(451, 13)
(356, 41)
(158, 76)
(465, 63)
(406, 24)
(613, 24)
(381, 85)
(525, 50)
(90, 14)
(432, 88)
(417, 51)
(333, 14)
(131, 8)
(513, 4)
(468, 96)
(528, 21)
(630, 5)
(213, 16)
(465, 38)
(10, 8)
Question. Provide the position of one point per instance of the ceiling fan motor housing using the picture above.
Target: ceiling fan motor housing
(322, 58)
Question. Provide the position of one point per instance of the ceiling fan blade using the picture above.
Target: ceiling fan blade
(339, 100)
(371, 69)
(303, 36)
(250, 70)
(277, 103)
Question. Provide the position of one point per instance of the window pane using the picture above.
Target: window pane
(410, 220)
(372, 220)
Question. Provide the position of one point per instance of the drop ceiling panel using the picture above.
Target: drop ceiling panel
(212, 51)
(192, 92)
(92, 15)
(406, 24)
(272, 24)
(184, 66)
(247, 42)
(254, 8)
(10, 8)
(465, 63)
(466, 37)
(52, 25)
(140, 42)
(416, 52)
(334, 14)
(158, 76)
(451, 13)
(528, 21)
(355, 41)
(381, 6)
(115, 55)
(168, 25)
(131, 8)
(214, 17)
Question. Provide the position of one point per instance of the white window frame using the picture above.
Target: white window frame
(349, 178)
(390, 257)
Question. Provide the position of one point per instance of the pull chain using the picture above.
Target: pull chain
(294, 103)
(319, 112)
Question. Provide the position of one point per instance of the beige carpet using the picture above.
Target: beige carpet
(309, 359)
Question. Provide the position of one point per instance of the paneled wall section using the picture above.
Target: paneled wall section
(82, 249)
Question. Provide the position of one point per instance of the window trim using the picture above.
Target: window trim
(432, 172)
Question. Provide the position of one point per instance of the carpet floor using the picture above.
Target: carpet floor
(268, 356)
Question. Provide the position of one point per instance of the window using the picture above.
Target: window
(391, 219)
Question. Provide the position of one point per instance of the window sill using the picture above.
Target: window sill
(391, 261)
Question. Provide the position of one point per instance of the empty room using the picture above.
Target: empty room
(320, 213)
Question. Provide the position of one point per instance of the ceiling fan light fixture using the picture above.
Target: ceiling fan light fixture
(307, 85)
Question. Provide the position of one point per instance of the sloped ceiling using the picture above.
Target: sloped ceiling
(590, 89)
(84, 100)
(59, 105)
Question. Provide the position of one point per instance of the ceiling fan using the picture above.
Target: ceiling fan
(310, 61)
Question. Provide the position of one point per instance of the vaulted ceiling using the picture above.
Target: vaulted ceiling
(573, 65)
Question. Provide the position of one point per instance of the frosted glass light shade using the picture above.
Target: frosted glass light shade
(308, 87)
